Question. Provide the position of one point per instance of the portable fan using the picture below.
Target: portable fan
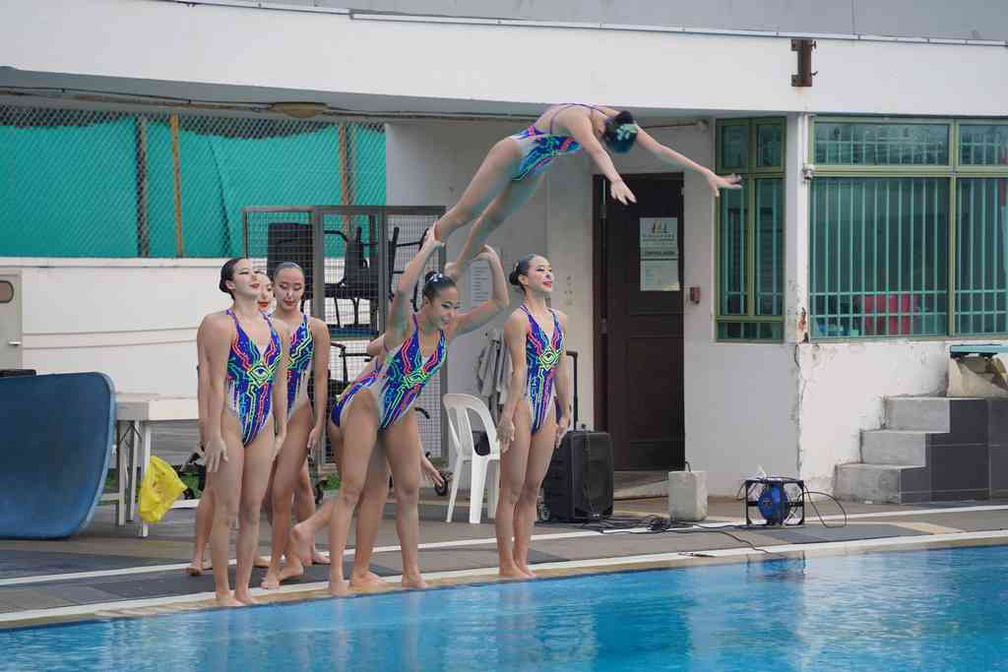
(775, 501)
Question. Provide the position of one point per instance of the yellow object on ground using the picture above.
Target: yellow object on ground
(160, 488)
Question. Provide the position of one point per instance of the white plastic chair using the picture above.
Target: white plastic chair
(460, 436)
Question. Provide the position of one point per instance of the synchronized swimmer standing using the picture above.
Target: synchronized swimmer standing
(304, 495)
(309, 350)
(537, 411)
(376, 407)
(245, 423)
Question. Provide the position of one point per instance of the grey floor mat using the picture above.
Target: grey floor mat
(815, 534)
(14, 564)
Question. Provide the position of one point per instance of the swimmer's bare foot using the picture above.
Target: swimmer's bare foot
(366, 580)
(228, 601)
(524, 569)
(198, 566)
(293, 568)
(415, 581)
(261, 561)
(272, 580)
(318, 557)
(511, 572)
(453, 270)
(301, 544)
(245, 598)
(339, 588)
(431, 230)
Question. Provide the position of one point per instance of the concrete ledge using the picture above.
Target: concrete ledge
(868, 482)
(640, 484)
(892, 446)
(924, 414)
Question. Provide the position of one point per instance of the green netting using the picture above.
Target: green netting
(72, 188)
(68, 191)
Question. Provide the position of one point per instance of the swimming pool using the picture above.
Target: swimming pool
(940, 609)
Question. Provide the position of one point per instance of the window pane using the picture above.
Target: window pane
(732, 260)
(733, 145)
(769, 145)
(750, 331)
(985, 145)
(866, 144)
(981, 256)
(879, 256)
(769, 246)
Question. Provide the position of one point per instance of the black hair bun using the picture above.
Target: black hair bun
(624, 117)
(513, 278)
(227, 273)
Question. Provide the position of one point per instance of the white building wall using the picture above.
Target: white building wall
(841, 389)
(306, 53)
(567, 188)
(132, 319)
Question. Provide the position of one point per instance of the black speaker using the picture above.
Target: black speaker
(579, 482)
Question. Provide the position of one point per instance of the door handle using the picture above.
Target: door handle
(14, 343)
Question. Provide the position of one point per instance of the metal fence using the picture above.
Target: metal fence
(363, 251)
(151, 183)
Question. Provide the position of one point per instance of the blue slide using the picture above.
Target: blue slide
(55, 445)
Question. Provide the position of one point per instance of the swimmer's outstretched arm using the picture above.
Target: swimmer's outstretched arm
(398, 321)
(486, 311)
(669, 155)
(580, 127)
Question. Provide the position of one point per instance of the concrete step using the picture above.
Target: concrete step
(869, 482)
(925, 414)
(640, 484)
(892, 446)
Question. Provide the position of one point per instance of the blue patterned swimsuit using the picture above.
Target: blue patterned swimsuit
(302, 351)
(395, 380)
(249, 380)
(542, 356)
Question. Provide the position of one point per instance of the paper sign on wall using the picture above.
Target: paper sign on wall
(480, 283)
(659, 254)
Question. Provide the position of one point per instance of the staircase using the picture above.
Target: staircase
(931, 449)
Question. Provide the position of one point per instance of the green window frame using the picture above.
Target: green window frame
(908, 227)
(749, 230)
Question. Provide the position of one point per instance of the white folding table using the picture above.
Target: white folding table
(135, 413)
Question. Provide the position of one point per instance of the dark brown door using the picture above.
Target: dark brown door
(639, 322)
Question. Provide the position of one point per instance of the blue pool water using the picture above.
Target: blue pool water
(935, 610)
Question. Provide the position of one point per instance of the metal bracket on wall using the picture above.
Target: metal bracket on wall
(804, 48)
